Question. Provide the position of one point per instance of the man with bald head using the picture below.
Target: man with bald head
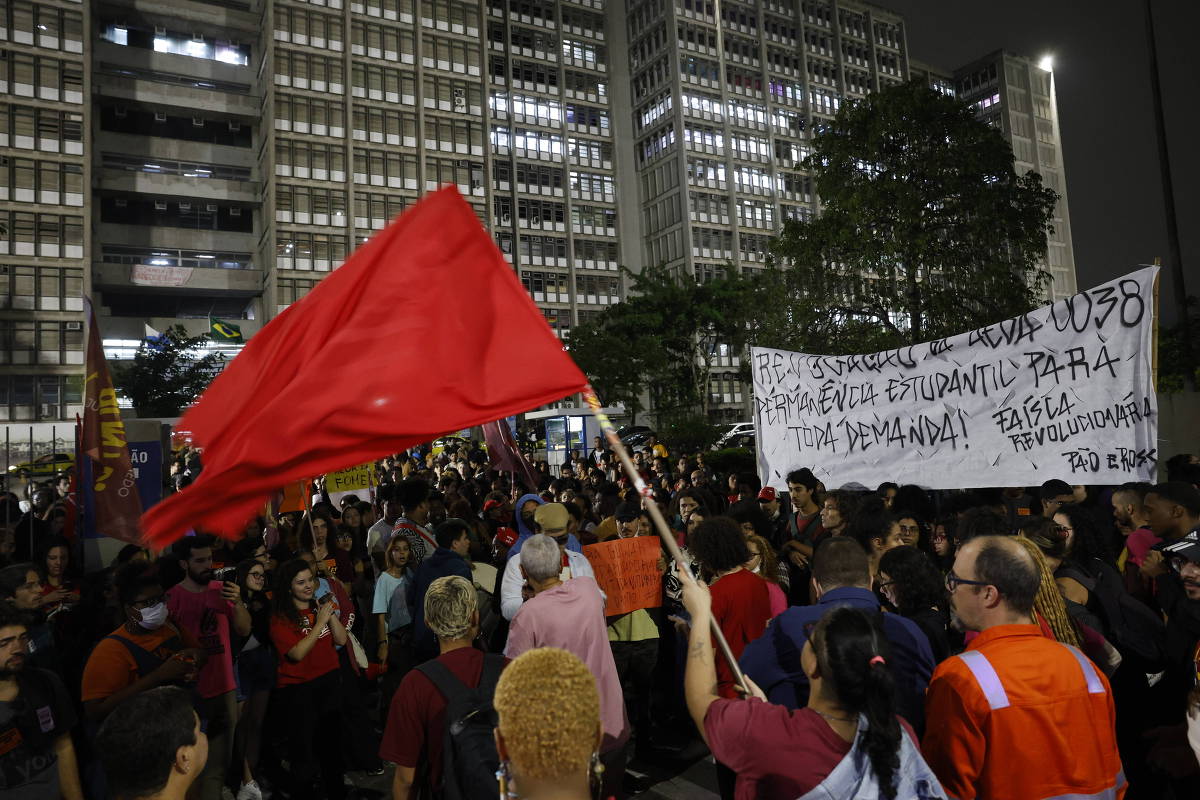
(1016, 715)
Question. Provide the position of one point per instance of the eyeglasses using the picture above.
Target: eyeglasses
(253, 574)
(147, 603)
(885, 584)
(910, 529)
(1063, 530)
(953, 582)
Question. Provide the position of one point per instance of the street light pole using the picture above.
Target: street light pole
(1164, 165)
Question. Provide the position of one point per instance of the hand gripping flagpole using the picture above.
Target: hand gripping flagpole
(664, 532)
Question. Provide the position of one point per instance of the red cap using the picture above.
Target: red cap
(768, 493)
(507, 536)
(490, 504)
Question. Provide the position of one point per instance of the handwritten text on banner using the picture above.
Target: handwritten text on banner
(627, 571)
(1065, 391)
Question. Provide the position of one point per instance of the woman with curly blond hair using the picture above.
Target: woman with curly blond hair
(549, 730)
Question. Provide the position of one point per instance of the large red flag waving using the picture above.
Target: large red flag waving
(425, 329)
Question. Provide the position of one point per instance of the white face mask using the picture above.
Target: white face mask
(154, 616)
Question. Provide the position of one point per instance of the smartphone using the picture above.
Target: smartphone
(225, 574)
(325, 598)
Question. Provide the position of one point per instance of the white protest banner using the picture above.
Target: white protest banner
(1065, 391)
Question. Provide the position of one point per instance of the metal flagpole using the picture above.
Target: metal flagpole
(664, 532)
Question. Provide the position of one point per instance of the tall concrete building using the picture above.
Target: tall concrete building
(45, 175)
(726, 97)
(182, 160)
(1015, 95)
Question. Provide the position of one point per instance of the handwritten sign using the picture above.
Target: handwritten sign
(627, 571)
(350, 480)
(1065, 391)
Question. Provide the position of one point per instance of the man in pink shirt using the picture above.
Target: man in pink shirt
(204, 608)
(570, 616)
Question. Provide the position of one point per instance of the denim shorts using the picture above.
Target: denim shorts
(255, 672)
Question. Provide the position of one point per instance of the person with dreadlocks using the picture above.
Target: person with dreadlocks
(1061, 618)
(1016, 714)
(549, 729)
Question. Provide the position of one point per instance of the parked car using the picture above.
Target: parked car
(737, 431)
(47, 465)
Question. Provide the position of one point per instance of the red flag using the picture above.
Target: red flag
(503, 452)
(424, 329)
(114, 489)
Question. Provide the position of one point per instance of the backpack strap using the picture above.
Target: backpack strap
(442, 678)
(493, 665)
(146, 661)
(448, 683)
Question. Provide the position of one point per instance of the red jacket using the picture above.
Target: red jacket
(1023, 717)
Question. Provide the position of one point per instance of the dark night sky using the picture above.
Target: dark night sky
(1102, 76)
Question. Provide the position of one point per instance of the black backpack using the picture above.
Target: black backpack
(469, 758)
(1137, 632)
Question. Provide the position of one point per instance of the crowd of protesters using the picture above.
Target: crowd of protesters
(893, 641)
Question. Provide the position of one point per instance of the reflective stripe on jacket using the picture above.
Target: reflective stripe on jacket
(1023, 717)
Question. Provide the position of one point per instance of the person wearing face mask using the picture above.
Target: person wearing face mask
(148, 650)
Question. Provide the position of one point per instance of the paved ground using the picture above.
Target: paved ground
(690, 776)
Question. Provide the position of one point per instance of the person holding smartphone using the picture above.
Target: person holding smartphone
(305, 633)
(209, 609)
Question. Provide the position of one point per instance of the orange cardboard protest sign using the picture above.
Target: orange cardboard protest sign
(627, 571)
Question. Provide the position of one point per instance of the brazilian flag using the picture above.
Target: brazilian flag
(221, 331)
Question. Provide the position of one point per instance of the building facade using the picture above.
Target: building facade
(1016, 95)
(726, 95)
(184, 160)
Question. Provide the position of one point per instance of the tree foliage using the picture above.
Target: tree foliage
(926, 230)
(664, 339)
(166, 375)
(1174, 372)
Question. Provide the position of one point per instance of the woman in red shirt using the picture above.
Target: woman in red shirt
(304, 634)
(741, 602)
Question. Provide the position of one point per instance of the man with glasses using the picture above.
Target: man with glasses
(1054, 495)
(841, 576)
(37, 758)
(551, 519)
(1017, 715)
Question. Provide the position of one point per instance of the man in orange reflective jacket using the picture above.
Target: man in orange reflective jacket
(1016, 715)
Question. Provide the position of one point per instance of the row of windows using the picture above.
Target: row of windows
(161, 40)
(29, 342)
(170, 257)
(303, 114)
(193, 215)
(48, 235)
(298, 158)
(382, 41)
(306, 27)
(309, 71)
(308, 205)
(305, 250)
(39, 25)
(26, 180)
(45, 129)
(41, 288)
(289, 290)
(144, 122)
(31, 397)
(383, 83)
(588, 288)
(384, 126)
(371, 206)
(43, 77)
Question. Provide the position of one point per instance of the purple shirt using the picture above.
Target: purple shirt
(571, 617)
